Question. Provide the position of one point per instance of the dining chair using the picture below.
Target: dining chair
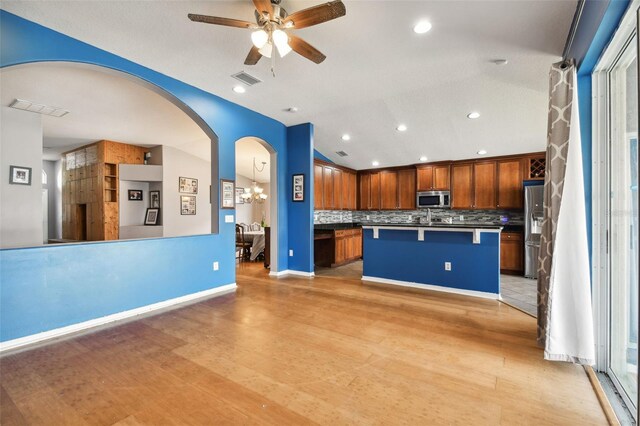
(241, 244)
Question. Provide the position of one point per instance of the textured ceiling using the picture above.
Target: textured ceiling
(378, 72)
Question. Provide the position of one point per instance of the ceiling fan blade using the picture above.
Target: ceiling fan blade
(253, 57)
(220, 21)
(303, 48)
(317, 14)
(263, 6)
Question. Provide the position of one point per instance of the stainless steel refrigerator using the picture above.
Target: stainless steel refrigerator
(533, 213)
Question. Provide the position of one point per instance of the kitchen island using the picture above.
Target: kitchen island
(456, 258)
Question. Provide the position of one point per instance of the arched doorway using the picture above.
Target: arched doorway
(257, 166)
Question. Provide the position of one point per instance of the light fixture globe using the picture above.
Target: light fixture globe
(281, 40)
(259, 38)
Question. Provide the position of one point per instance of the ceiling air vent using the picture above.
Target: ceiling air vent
(38, 108)
(342, 153)
(247, 79)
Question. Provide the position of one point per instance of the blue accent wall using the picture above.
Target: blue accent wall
(318, 156)
(300, 151)
(50, 287)
(398, 255)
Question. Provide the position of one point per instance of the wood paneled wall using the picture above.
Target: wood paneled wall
(90, 189)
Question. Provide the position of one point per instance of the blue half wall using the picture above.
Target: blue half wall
(50, 287)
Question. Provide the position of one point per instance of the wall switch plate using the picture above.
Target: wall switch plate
(447, 266)
(216, 266)
(367, 217)
(290, 253)
(228, 218)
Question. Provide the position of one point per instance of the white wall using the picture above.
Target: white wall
(20, 205)
(244, 212)
(54, 187)
(133, 212)
(263, 210)
(176, 163)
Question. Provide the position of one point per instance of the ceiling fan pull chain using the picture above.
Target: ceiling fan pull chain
(273, 63)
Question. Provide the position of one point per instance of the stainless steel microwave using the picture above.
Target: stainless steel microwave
(433, 200)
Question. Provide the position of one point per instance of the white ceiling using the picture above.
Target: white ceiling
(378, 72)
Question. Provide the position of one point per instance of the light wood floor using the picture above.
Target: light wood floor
(294, 351)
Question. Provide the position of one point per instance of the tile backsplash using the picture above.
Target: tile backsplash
(411, 216)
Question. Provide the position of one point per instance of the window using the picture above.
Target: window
(616, 210)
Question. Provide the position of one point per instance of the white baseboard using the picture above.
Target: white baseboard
(481, 294)
(292, 272)
(113, 318)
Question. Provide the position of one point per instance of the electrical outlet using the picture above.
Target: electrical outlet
(447, 266)
(216, 266)
(368, 217)
(290, 253)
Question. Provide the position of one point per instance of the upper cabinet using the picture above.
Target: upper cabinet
(489, 183)
(334, 187)
(484, 185)
(407, 189)
(510, 189)
(388, 189)
(433, 177)
(462, 186)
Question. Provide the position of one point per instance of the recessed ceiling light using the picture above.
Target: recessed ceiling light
(423, 158)
(422, 27)
(473, 115)
(375, 163)
(401, 128)
(346, 137)
(482, 152)
(239, 89)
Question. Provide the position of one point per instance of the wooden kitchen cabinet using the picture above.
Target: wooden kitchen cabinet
(511, 253)
(389, 190)
(484, 185)
(337, 189)
(334, 187)
(364, 198)
(337, 247)
(374, 192)
(318, 187)
(407, 189)
(510, 188)
(462, 186)
(327, 177)
(433, 178)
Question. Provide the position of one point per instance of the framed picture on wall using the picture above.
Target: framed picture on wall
(19, 175)
(227, 194)
(187, 185)
(135, 195)
(151, 217)
(187, 205)
(298, 188)
(154, 199)
(239, 192)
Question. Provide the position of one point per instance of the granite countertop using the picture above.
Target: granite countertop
(472, 225)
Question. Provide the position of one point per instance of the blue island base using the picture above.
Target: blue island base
(416, 257)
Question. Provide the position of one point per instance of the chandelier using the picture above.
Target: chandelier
(255, 193)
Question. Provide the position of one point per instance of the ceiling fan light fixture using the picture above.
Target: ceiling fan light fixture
(281, 40)
(259, 38)
(266, 50)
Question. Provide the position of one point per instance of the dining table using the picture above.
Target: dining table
(256, 238)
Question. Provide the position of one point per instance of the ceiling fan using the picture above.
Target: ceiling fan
(273, 26)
